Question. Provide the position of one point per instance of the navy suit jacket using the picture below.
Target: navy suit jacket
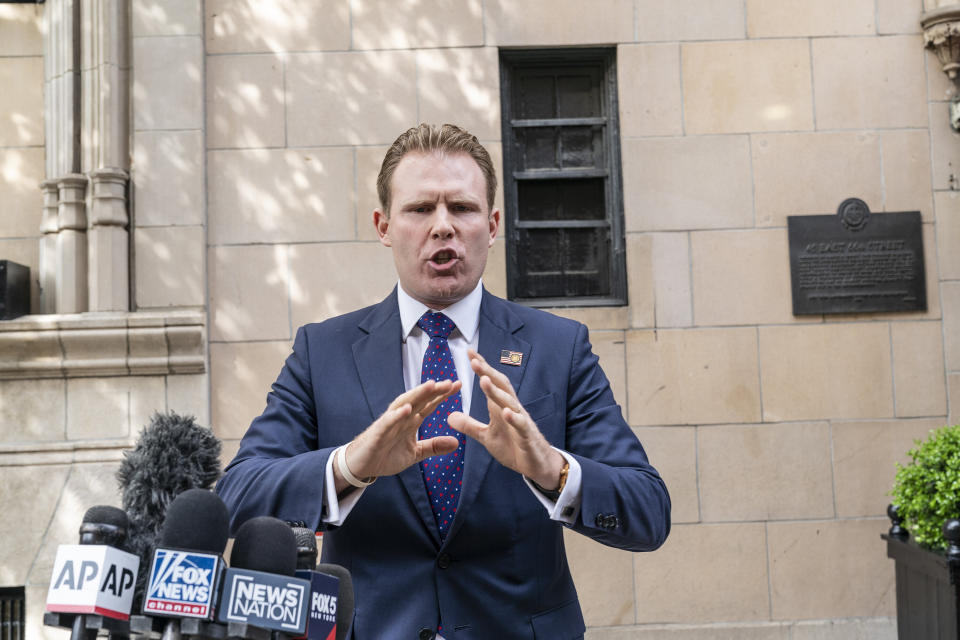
(502, 571)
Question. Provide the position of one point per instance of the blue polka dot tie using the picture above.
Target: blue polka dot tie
(442, 475)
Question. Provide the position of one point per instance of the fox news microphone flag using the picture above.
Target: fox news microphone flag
(95, 577)
(187, 564)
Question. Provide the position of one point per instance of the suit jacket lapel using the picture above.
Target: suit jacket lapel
(379, 361)
(498, 325)
(378, 355)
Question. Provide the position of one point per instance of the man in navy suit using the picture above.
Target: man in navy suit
(444, 463)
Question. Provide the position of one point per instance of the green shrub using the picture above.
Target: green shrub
(927, 490)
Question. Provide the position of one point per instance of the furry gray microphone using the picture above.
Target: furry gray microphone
(172, 454)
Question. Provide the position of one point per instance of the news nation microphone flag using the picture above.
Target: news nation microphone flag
(265, 600)
(260, 588)
(93, 579)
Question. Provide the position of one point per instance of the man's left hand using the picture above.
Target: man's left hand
(511, 437)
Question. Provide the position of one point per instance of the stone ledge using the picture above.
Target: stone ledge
(103, 344)
(47, 453)
(831, 629)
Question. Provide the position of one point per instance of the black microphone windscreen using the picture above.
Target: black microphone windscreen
(105, 514)
(306, 547)
(197, 520)
(265, 544)
(104, 524)
(172, 454)
(345, 601)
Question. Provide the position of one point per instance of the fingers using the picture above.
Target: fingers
(515, 419)
(437, 446)
(466, 425)
(483, 368)
(424, 398)
(395, 414)
(503, 399)
(500, 389)
(423, 393)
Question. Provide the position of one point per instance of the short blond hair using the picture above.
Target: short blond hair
(426, 138)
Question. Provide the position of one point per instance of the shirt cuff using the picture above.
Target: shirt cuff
(567, 507)
(336, 509)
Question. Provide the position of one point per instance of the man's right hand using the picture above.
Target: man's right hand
(390, 444)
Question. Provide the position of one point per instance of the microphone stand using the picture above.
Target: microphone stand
(171, 631)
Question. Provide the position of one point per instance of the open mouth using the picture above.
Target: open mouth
(443, 257)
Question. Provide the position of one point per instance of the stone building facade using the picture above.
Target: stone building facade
(189, 181)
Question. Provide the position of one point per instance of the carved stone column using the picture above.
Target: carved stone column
(72, 245)
(109, 283)
(85, 260)
(48, 246)
(64, 245)
(105, 44)
(61, 57)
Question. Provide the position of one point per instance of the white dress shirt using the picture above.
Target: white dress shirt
(465, 314)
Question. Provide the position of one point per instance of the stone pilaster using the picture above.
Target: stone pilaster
(48, 246)
(62, 86)
(108, 281)
(72, 245)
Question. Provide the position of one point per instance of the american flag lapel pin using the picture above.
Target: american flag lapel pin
(513, 358)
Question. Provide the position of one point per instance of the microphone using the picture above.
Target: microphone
(259, 588)
(92, 583)
(331, 592)
(187, 565)
(306, 547)
(344, 598)
(172, 454)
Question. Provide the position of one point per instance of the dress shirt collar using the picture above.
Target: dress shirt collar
(465, 313)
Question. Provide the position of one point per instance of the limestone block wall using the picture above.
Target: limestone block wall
(257, 128)
(167, 141)
(21, 137)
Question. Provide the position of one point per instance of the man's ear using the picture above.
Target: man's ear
(494, 225)
(381, 222)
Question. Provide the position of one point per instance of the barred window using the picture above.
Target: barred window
(12, 613)
(562, 184)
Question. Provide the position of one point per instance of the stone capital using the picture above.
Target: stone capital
(941, 32)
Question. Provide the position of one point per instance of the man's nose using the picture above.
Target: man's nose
(442, 223)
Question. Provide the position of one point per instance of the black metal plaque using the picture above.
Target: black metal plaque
(857, 261)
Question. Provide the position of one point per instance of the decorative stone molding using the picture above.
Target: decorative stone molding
(102, 344)
(84, 260)
(58, 453)
(941, 32)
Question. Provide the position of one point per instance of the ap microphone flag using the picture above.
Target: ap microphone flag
(93, 579)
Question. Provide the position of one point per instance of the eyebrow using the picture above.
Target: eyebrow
(456, 199)
(419, 202)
